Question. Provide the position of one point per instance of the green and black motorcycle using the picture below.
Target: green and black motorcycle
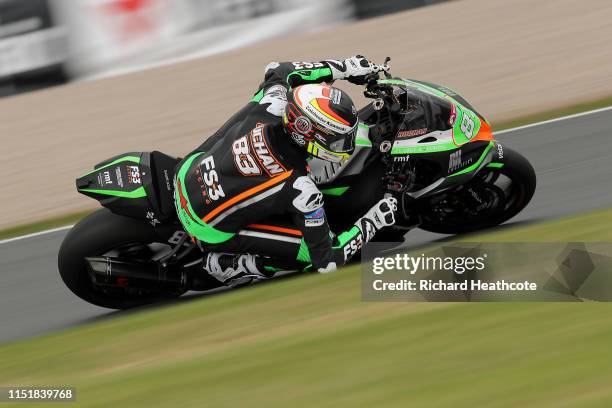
(421, 142)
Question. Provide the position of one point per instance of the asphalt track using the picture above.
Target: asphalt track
(572, 158)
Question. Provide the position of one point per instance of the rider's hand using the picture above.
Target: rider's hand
(383, 213)
(358, 67)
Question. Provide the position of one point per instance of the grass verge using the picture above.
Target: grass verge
(311, 341)
(55, 222)
(556, 113)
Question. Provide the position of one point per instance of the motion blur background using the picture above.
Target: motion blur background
(165, 74)
(516, 61)
(50, 42)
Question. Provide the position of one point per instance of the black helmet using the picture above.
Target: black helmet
(322, 120)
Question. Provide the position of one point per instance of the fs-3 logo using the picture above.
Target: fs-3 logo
(209, 176)
(133, 173)
(353, 246)
(454, 161)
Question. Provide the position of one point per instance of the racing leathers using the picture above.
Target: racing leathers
(247, 188)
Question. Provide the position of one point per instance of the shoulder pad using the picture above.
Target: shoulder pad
(276, 97)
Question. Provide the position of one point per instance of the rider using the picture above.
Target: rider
(255, 166)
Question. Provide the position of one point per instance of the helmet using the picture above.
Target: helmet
(322, 120)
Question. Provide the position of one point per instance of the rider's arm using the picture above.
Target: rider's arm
(282, 76)
(292, 74)
(323, 250)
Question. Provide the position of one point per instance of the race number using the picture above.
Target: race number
(243, 159)
(467, 126)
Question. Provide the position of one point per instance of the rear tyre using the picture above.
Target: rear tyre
(95, 235)
(508, 189)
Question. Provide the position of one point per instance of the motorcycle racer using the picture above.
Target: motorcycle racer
(255, 167)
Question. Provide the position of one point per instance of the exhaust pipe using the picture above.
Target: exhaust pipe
(106, 271)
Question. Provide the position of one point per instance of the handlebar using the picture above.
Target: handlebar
(375, 90)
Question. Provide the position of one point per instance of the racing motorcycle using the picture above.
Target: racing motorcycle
(420, 142)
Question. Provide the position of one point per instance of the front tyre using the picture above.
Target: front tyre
(494, 196)
(95, 235)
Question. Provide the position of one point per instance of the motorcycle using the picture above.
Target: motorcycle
(420, 142)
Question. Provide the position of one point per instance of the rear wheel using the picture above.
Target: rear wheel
(494, 196)
(104, 233)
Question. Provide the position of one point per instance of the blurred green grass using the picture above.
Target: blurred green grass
(311, 341)
(54, 222)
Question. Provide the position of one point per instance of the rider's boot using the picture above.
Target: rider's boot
(234, 270)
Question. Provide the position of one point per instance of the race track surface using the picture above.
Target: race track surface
(572, 158)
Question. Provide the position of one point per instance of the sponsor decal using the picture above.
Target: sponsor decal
(454, 161)
(303, 125)
(314, 223)
(411, 133)
(265, 157)
(119, 176)
(167, 178)
(151, 217)
(453, 115)
(107, 178)
(325, 120)
(315, 218)
(307, 65)
(500, 150)
(401, 158)
(335, 95)
(325, 155)
(353, 246)
(208, 179)
(299, 139)
(133, 175)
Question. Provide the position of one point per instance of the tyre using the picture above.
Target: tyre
(95, 235)
(505, 191)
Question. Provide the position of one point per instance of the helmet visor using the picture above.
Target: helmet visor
(344, 143)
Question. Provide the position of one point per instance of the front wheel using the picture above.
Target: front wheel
(494, 196)
(98, 234)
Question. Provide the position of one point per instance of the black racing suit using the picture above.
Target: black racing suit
(247, 188)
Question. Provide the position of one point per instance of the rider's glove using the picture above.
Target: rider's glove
(355, 69)
(382, 214)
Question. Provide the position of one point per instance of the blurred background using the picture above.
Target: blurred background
(50, 42)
